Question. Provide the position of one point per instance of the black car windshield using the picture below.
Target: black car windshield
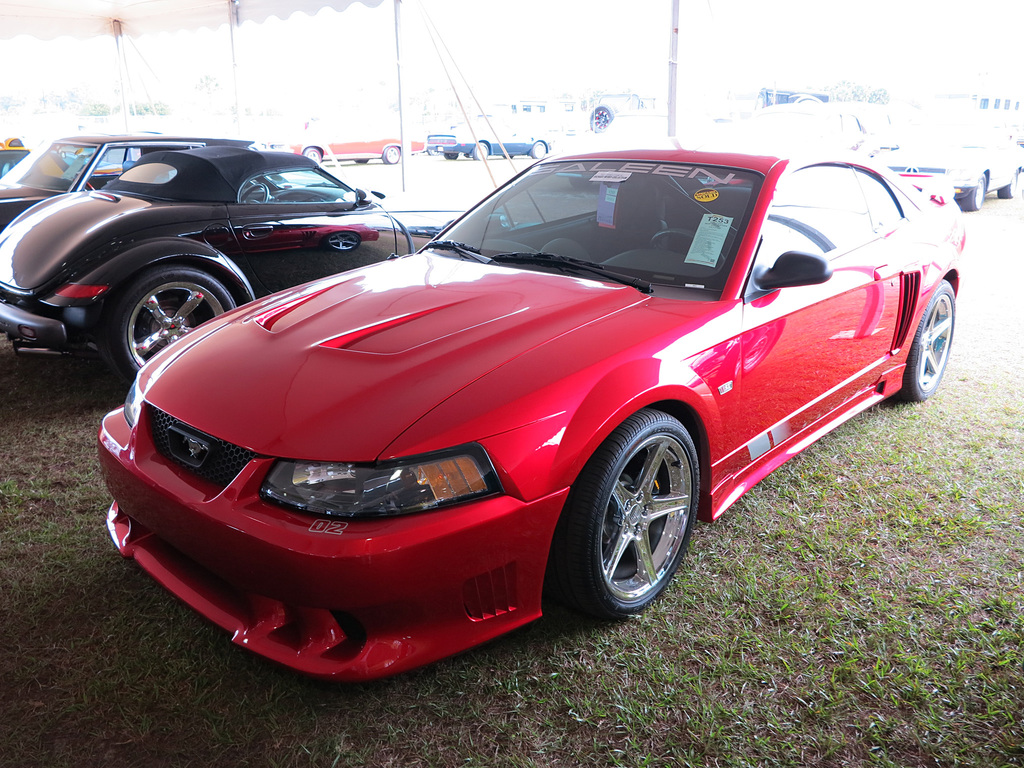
(664, 223)
(55, 168)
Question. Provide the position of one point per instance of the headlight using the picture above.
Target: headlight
(399, 487)
(133, 404)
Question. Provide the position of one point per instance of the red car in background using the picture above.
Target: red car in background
(376, 470)
(387, 150)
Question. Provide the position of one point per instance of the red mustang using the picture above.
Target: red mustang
(380, 469)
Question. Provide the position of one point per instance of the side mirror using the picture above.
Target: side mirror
(791, 269)
(364, 198)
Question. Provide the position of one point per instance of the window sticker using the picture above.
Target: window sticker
(707, 245)
(606, 205)
(610, 177)
(705, 195)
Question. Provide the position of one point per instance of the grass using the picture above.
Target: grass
(862, 606)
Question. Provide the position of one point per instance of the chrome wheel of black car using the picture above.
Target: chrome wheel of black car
(628, 520)
(930, 351)
(158, 308)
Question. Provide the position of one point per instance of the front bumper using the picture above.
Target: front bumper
(346, 600)
(33, 329)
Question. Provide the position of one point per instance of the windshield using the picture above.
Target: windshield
(55, 167)
(663, 223)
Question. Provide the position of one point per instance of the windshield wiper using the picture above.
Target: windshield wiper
(559, 261)
(465, 251)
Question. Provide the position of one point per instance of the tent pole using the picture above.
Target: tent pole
(122, 66)
(232, 24)
(673, 58)
(401, 111)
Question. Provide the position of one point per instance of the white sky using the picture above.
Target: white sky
(344, 64)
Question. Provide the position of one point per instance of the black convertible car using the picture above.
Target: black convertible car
(180, 237)
(81, 163)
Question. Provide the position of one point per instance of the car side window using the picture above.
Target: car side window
(886, 212)
(825, 203)
(304, 185)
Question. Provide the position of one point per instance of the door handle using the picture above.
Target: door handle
(257, 231)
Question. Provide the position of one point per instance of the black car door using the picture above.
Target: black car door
(301, 225)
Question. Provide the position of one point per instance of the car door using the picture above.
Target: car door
(301, 225)
(808, 350)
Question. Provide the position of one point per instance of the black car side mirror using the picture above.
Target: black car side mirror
(791, 269)
(363, 197)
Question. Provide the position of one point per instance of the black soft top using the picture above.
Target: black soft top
(206, 174)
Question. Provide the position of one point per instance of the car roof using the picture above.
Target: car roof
(207, 174)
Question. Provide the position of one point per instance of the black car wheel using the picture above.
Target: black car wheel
(628, 520)
(1010, 190)
(601, 118)
(930, 351)
(451, 155)
(158, 307)
(976, 198)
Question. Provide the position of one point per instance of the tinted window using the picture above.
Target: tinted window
(827, 204)
(666, 223)
(886, 212)
(300, 186)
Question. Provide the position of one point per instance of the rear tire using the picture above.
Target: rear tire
(480, 151)
(391, 155)
(314, 154)
(930, 351)
(156, 308)
(628, 520)
(1010, 190)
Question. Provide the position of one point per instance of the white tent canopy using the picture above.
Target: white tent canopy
(50, 19)
(85, 19)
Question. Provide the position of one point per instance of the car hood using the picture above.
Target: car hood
(337, 370)
(50, 238)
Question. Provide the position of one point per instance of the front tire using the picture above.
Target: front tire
(391, 155)
(314, 154)
(480, 151)
(539, 150)
(929, 353)
(628, 520)
(976, 199)
(158, 307)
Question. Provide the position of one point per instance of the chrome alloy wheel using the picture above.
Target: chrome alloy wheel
(935, 343)
(646, 519)
(167, 313)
